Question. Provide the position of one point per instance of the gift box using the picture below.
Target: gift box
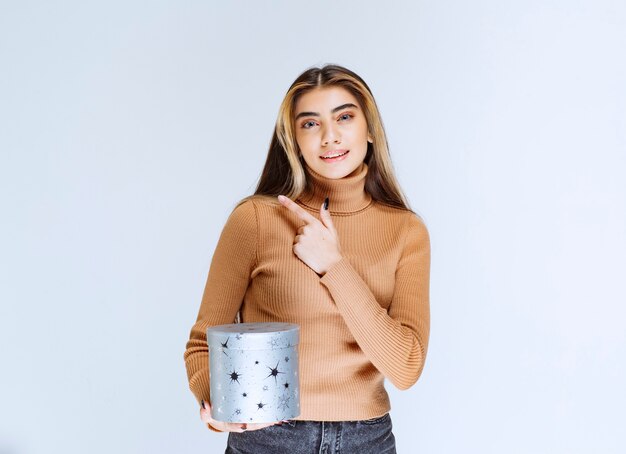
(253, 372)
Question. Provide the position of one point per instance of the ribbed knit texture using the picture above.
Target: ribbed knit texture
(366, 319)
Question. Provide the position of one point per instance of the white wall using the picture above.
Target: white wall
(129, 129)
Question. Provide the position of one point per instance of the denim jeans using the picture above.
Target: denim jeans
(370, 436)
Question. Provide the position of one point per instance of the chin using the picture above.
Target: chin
(337, 170)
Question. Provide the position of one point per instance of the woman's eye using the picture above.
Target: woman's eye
(347, 116)
(305, 124)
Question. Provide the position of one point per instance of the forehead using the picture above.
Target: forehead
(324, 99)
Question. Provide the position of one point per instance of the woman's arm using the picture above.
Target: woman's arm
(228, 278)
(395, 341)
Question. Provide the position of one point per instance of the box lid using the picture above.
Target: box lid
(254, 336)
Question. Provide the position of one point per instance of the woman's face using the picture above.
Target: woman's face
(328, 122)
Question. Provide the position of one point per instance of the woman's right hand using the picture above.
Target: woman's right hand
(205, 415)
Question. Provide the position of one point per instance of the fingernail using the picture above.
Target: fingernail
(326, 203)
(203, 406)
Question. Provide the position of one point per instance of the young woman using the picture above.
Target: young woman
(327, 241)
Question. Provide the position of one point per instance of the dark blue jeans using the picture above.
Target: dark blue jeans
(370, 436)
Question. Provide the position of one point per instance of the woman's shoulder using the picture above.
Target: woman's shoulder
(416, 231)
(243, 212)
(409, 225)
(256, 201)
(410, 218)
(254, 207)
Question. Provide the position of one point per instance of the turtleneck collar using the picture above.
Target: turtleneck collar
(346, 195)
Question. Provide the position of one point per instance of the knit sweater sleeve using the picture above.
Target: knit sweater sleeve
(395, 340)
(229, 275)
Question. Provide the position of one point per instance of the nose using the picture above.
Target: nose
(330, 133)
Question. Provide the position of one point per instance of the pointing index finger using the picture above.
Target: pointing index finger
(297, 209)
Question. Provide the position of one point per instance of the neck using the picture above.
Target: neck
(346, 195)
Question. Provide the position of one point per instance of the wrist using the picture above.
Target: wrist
(333, 263)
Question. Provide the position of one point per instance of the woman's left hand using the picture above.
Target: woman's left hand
(317, 243)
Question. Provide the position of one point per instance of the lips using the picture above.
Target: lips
(334, 153)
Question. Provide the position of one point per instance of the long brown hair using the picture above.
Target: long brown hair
(284, 171)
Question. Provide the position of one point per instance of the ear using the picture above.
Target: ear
(369, 139)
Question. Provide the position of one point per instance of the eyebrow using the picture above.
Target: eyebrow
(316, 114)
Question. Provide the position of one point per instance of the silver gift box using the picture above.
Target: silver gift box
(253, 372)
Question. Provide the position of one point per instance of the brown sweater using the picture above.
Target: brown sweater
(367, 318)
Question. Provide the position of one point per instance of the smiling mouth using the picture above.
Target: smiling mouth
(335, 156)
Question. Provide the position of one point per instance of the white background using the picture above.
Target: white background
(130, 129)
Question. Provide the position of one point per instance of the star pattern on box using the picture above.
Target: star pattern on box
(273, 342)
(283, 402)
(234, 377)
(224, 346)
(240, 376)
(274, 371)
